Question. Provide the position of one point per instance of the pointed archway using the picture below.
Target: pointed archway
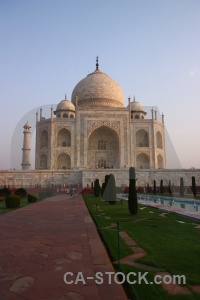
(63, 161)
(103, 148)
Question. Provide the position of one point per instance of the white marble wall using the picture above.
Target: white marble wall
(45, 178)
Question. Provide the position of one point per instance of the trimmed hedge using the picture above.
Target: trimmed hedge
(12, 201)
(5, 191)
(132, 195)
(96, 188)
(21, 192)
(111, 190)
(32, 198)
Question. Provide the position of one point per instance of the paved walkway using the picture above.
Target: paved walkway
(41, 242)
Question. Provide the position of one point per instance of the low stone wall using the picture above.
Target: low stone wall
(41, 179)
(144, 177)
(48, 178)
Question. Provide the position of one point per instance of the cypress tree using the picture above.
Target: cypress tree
(181, 187)
(154, 187)
(96, 188)
(170, 187)
(194, 188)
(102, 189)
(132, 196)
(161, 187)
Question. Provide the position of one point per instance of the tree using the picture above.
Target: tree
(148, 188)
(154, 187)
(194, 188)
(111, 190)
(170, 187)
(102, 189)
(161, 187)
(181, 187)
(96, 188)
(104, 192)
(132, 196)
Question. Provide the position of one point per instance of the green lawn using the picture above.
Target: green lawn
(172, 243)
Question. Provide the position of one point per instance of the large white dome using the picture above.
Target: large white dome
(98, 90)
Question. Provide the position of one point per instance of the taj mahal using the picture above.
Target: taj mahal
(94, 134)
(95, 130)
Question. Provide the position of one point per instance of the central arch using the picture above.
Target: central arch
(103, 148)
(63, 161)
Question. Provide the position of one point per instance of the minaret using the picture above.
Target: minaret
(26, 147)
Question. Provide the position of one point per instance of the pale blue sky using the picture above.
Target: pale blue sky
(150, 47)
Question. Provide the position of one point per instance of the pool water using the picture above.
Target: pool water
(189, 205)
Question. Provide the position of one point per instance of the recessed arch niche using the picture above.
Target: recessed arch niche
(103, 148)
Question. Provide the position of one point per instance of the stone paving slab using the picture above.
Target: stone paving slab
(43, 241)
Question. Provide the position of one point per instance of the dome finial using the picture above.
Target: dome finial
(97, 63)
(65, 96)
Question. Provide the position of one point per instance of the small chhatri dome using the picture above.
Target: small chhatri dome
(65, 109)
(98, 90)
(137, 107)
(65, 105)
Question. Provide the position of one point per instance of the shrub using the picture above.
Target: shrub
(154, 187)
(181, 187)
(5, 191)
(161, 187)
(32, 198)
(194, 188)
(111, 190)
(21, 192)
(96, 188)
(105, 190)
(170, 187)
(132, 196)
(12, 201)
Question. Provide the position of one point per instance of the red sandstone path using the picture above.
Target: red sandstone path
(41, 242)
